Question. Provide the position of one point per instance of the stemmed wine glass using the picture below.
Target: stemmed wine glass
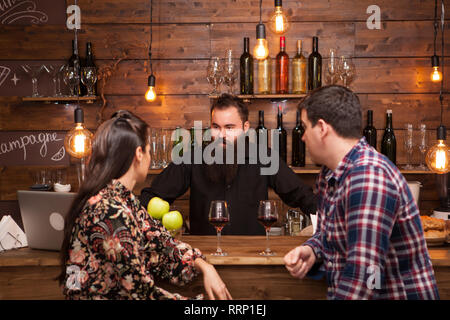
(214, 74)
(89, 78)
(346, 70)
(33, 72)
(408, 146)
(54, 73)
(72, 79)
(332, 68)
(423, 146)
(219, 217)
(230, 71)
(267, 215)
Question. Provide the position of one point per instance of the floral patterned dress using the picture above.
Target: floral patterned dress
(117, 249)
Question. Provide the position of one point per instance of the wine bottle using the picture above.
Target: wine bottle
(299, 71)
(369, 131)
(298, 146)
(74, 62)
(389, 144)
(282, 136)
(261, 129)
(90, 62)
(315, 67)
(282, 69)
(265, 76)
(246, 63)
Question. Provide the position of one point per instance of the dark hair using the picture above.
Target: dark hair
(226, 101)
(113, 151)
(337, 106)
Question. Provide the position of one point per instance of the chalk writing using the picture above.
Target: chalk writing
(13, 10)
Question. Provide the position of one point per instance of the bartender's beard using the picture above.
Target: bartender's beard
(223, 173)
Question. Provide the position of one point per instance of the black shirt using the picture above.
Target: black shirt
(242, 195)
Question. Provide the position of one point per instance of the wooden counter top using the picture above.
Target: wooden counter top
(242, 250)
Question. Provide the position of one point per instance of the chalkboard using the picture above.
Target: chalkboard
(27, 12)
(33, 148)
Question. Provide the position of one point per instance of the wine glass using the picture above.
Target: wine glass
(267, 215)
(214, 74)
(89, 78)
(219, 218)
(72, 79)
(423, 146)
(230, 71)
(55, 71)
(332, 68)
(408, 142)
(346, 70)
(33, 72)
(165, 147)
(155, 145)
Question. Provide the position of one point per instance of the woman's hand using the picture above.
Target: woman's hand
(212, 282)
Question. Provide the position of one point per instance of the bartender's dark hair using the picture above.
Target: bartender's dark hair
(113, 151)
(228, 100)
(337, 106)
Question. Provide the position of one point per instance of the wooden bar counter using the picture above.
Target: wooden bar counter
(28, 274)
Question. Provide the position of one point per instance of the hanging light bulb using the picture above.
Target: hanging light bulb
(150, 95)
(438, 156)
(78, 141)
(278, 21)
(436, 75)
(261, 50)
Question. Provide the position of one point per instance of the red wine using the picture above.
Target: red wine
(282, 69)
(389, 144)
(219, 223)
(246, 68)
(315, 67)
(282, 136)
(298, 146)
(369, 131)
(267, 222)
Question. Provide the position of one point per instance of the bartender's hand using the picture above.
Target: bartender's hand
(214, 286)
(299, 261)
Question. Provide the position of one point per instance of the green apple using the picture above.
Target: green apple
(157, 208)
(172, 220)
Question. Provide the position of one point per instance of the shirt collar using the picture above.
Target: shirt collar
(116, 188)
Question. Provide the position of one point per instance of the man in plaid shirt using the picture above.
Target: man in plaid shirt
(369, 239)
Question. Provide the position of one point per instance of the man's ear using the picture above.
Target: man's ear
(246, 126)
(324, 128)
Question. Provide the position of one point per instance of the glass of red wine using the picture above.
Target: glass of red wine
(219, 217)
(267, 216)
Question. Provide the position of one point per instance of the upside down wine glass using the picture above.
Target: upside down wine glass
(267, 216)
(219, 218)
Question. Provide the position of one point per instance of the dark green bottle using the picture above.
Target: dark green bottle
(315, 67)
(369, 131)
(261, 128)
(282, 136)
(246, 63)
(389, 144)
(298, 146)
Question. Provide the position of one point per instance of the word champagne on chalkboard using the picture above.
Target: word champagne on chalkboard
(24, 148)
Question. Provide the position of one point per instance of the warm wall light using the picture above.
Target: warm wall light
(278, 21)
(261, 50)
(78, 141)
(436, 75)
(150, 95)
(438, 156)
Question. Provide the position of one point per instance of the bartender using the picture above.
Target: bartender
(242, 185)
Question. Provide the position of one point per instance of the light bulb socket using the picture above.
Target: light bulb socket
(278, 3)
(441, 133)
(435, 61)
(260, 31)
(151, 80)
(79, 115)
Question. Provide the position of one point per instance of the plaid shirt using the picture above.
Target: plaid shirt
(369, 239)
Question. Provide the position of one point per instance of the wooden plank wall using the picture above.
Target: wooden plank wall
(393, 64)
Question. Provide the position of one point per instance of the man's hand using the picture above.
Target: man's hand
(299, 261)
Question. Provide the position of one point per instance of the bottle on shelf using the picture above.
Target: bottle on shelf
(246, 69)
(75, 62)
(261, 129)
(315, 66)
(282, 69)
(264, 76)
(89, 62)
(389, 144)
(369, 131)
(299, 71)
(298, 146)
(282, 136)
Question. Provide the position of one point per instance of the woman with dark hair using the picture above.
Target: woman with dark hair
(112, 248)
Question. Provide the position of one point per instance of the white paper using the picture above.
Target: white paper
(314, 221)
(11, 235)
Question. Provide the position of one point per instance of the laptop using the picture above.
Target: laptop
(43, 214)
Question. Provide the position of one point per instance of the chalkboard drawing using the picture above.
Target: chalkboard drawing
(12, 11)
(59, 155)
(4, 72)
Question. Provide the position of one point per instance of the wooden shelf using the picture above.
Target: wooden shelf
(87, 99)
(273, 97)
(312, 169)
